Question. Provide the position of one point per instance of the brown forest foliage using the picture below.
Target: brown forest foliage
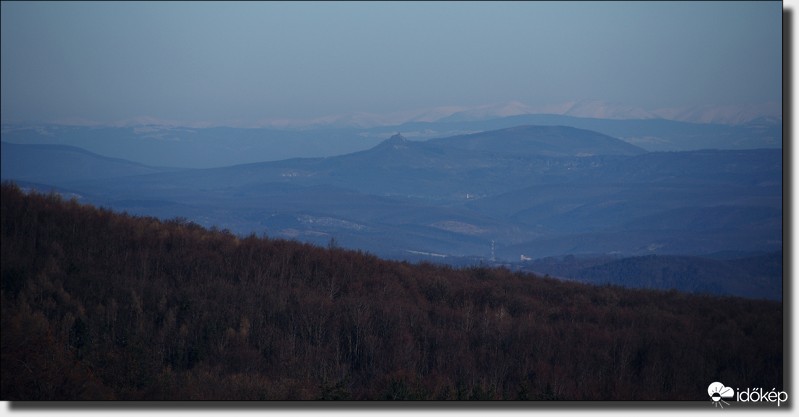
(100, 305)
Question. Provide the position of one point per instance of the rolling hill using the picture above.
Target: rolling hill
(758, 276)
(61, 164)
(555, 141)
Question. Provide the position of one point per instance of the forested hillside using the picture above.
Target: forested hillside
(100, 305)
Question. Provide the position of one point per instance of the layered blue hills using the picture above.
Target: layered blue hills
(493, 197)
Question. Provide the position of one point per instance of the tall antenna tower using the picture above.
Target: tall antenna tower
(493, 254)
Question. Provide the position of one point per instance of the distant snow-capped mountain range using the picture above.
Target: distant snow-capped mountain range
(727, 114)
(595, 109)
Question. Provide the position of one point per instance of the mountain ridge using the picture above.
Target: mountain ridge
(218, 146)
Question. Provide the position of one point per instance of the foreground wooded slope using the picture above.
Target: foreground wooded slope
(100, 305)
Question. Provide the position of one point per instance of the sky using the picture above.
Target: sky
(233, 63)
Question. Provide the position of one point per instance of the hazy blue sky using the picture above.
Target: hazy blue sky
(222, 62)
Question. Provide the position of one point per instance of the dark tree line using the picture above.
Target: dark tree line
(102, 305)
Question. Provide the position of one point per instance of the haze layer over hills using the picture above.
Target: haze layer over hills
(158, 144)
(495, 196)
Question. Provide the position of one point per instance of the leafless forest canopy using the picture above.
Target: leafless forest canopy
(103, 305)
